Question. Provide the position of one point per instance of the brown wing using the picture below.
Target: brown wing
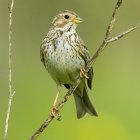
(43, 51)
(85, 55)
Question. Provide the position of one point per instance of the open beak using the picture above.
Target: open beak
(77, 20)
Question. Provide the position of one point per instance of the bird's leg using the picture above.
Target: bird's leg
(54, 110)
(83, 73)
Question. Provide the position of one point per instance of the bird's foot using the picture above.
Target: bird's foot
(55, 112)
(83, 73)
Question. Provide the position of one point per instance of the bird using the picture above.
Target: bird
(64, 56)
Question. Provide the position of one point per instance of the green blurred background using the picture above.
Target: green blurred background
(116, 91)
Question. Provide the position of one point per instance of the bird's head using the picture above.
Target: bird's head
(66, 20)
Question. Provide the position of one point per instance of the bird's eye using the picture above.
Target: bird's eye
(66, 16)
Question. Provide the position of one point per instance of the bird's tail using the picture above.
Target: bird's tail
(83, 103)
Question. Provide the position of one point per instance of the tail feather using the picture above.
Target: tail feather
(81, 110)
(87, 103)
(82, 101)
(83, 104)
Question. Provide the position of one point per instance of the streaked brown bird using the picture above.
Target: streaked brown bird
(64, 55)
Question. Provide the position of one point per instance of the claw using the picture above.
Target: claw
(54, 111)
(83, 73)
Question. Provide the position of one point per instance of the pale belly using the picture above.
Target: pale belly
(64, 67)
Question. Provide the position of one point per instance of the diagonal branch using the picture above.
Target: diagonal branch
(113, 19)
(123, 34)
(10, 7)
(59, 106)
(105, 42)
(108, 32)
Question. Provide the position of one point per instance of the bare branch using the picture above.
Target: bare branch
(8, 115)
(59, 106)
(10, 7)
(108, 32)
(105, 42)
(113, 19)
(123, 34)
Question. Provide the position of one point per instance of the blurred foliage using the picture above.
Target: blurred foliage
(116, 91)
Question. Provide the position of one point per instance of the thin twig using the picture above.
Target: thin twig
(113, 19)
(123, 34)
(10, 7)
(105, 42)
(59, 106)
(108, 32)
